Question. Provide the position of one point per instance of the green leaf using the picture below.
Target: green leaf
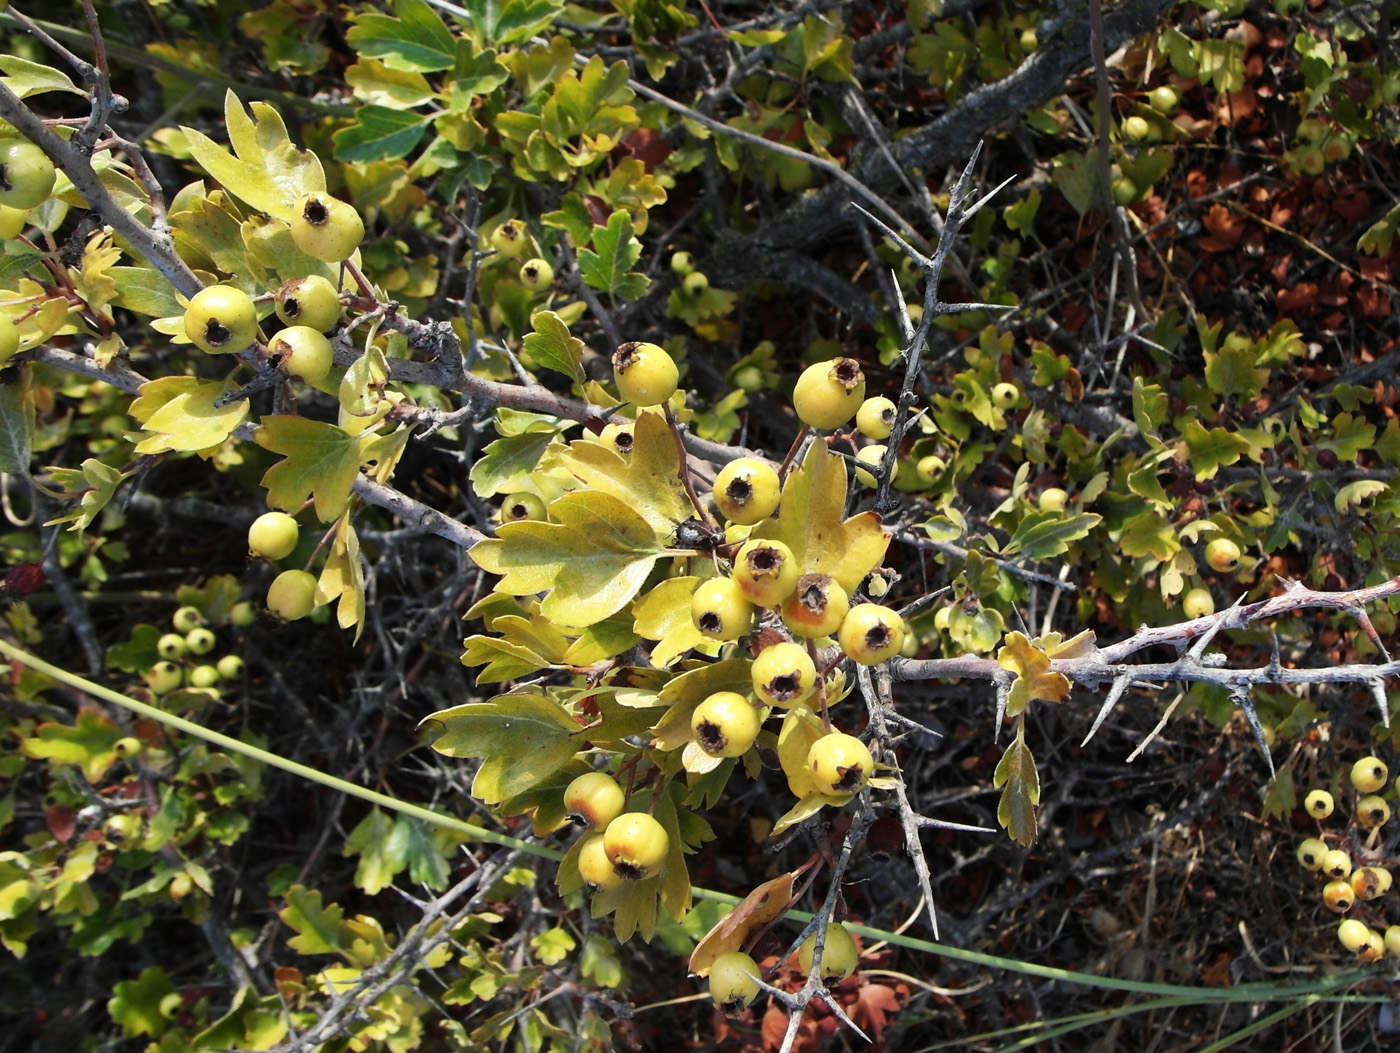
(810, 523)
(1150, 534)
(381, 134)
(592, 561)
(599, 962)
(477, 72)
(268, 172)
(16, 422)
(523, 738)
(607, 266)
(503, 659)
(573, 217)
(317, 928)
(136, 1004)
(416, 40)
(145, 290)
(1151, 406)
(26, 78)
(1042, 535)
(182, 413)
(377, 84)
(1357, 492)
(1233, 372)
(426, 863)
(90, 743)
(552, 346)
(1077, 177)
(1209, 451)
(507, 463)
(382, 846)
(1017, 774)
(1034, 680)
(552, 946)
(647, 480)
(1020, 217)
(1350, 435)
(511, 21)
(319, 459)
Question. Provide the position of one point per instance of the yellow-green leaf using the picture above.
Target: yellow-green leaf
(663, 614)
(592, 561)
(318, 459)
(552, 346)
(647, 480)
(1033, 677)
(180, 413)
(1020, 782)
(524, 738)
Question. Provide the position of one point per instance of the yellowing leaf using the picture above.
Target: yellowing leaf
(269, 172)
(90, 743)
(317, 928)
(93, 280)
(524, 739)
(180, 413)
(343, 578)
(1017, 774)
(592, 561)
(96, 483)
(318, 459)
(663, 614)
(758, 908)
(1033, 677)
(809, 522)
(647, 480)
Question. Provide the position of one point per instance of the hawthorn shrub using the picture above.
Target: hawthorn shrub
(826, 423)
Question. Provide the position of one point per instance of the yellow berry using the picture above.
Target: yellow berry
(871, 634)
(1198, 603)
(839, 954)
(1222, 554)
(637, 845)
(725, 724)
(292, 595)
(783, 674)
(594, 800)
(733, 981)
(1352, 934)
(747, 491)
(816, 607)
(594, 866)
(720, 610)
(1368, 774)
(273, 536)
(765, 572)
(1052, 499)
(876, 417)
(1318, 804)
(303, 352)
(840, 763)
(1310, 853)
(828, 394)
(220, 319)
(646, 375)
(1336, 864)
(1372, 811)
(1338, 896)
(327, 228)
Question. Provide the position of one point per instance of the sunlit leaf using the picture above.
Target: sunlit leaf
(524, 739)
(1019, 781)
(1034, 680)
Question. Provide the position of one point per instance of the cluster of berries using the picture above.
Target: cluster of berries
(1349, 882)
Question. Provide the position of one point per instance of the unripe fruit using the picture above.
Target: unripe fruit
(536, 274)
(747, 491)
(204, 676)
(637, 845)
(872, 457)
(1136, 128)
(1369, 774)
(1372, 811)
(1004, 395)
(594, 800)
(1392, 941)
(186, 618)
(510, 239)
(720, 611)
(181, 885)
(200, 641)
(930, 467)
(9, 338)
(1310, 853)
(1222, 554)
(292, 595)
(816, 608)
(733, 983)
(230, 667)
(875, 418)
(12, 221)
(301, 351)
(221, 320)
(171, 646)
(765, 572)
(1338, 896)
(682, 263)
(1124, 191)
(164, 677)
(243, 614)
(309, 301)
(1336, 864)
(1053, 499)
(828, 394)
(1318, 804)
(27, 175)
(839, 954)
(871, 634)
(594, 866)
(1163, 99)
(725, 724)
(646, 375)
(1198, 603)
(695, 283)
(524, 505)
(783, 674)
(1374, 950)
(273, 536)
(327, 228)
(1353, 934)
(840, 763)
(1370, 882)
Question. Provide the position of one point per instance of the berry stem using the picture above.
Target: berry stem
(821, 684)
(792, 450)
(684, 470)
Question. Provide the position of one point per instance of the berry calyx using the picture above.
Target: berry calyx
(301, 351)
(1369, 774)
(1318, 804)
(725, 724)
(720, 610)
(840, 764)
(637, 845)
(839, 954)
(594, 866)
(27, 175)
(273, 536)
(733, 981)
(875, 418)
(1370, 882)
(871, 634)
(1372, 811)
(646, 375)
(1310, 853)
(327, 228)
(1198, 603)
(521, 506)
(747, 491)
(816, 607)
(828, 394)
(783, 674)
(292, 595)
(1222, 555)
(594, 800)
(309, 301)
(765, 572)
(221, 320)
